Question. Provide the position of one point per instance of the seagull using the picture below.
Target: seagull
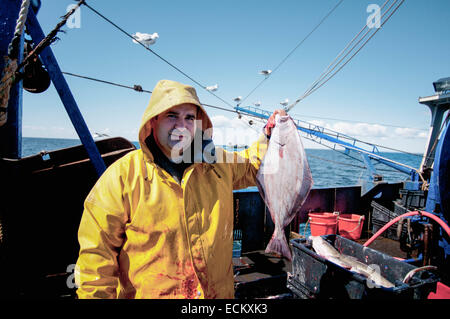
(285, 102)
(265, 72)
(257, 103)
(96, 135)
(212, 88)
(237, 99)
(145, 38)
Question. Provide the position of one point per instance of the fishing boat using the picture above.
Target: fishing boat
(43, 194)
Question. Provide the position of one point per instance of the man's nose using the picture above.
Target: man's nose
(181, 123)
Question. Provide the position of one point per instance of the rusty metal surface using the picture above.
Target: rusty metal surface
(388, 246)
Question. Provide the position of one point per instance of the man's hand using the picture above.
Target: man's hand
(271, 122)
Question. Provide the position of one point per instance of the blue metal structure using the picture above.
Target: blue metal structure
(318, 133)
(438, 200)
(438, 105)
(437, 156)
(11, 133)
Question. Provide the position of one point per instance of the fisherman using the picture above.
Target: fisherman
(159, 222)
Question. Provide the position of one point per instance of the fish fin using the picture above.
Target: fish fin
(261, 189)
(279, 245)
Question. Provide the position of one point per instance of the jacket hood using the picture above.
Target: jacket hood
(166, 95)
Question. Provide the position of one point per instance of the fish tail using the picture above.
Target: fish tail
(279, 245)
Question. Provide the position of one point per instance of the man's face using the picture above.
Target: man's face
(174, 129)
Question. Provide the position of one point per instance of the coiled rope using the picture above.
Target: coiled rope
(11, 66)
(11, 62)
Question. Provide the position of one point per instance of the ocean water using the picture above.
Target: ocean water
(329, 168)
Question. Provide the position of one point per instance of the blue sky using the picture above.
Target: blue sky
(374, 97)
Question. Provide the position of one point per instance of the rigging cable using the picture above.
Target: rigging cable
(278, 66)
(156, 54)
(51, 37)
(12, 74)
(137, 88)
(316, 86)
(324, 73)
(292, 51)
(249, 115)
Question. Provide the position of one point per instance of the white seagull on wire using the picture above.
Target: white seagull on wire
(265, 72)
(285, 102)
(237, 99)
(212, 88)
(145, 38)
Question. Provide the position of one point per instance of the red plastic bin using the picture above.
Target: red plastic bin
(350, 225)
(323, 223)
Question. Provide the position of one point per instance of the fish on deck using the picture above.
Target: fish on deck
(323, 248)
(284, 180)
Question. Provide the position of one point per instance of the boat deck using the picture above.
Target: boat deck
(261, 275)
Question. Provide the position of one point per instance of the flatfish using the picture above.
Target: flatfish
(327, 251)
(284, 180)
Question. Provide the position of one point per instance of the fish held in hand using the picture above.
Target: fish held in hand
(284, 180)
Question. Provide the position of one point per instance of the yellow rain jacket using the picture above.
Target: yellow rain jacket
(143, 235)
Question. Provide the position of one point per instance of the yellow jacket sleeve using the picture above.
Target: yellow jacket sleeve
(248, 162)
(101, 235)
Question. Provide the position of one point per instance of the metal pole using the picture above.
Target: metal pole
(11, 132)
(65, 94)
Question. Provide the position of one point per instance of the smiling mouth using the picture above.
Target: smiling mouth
(176, 137)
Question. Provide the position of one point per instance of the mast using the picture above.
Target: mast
(11, 130)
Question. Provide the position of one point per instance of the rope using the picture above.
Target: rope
(324, 73)
(304, 229)
(156, 54)
(11, 62)
(136, 88)
(316, 85)
(139, 88)
(51, 37)
(357, 226)
(5, 86)
(20, 25)
(9, 78)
